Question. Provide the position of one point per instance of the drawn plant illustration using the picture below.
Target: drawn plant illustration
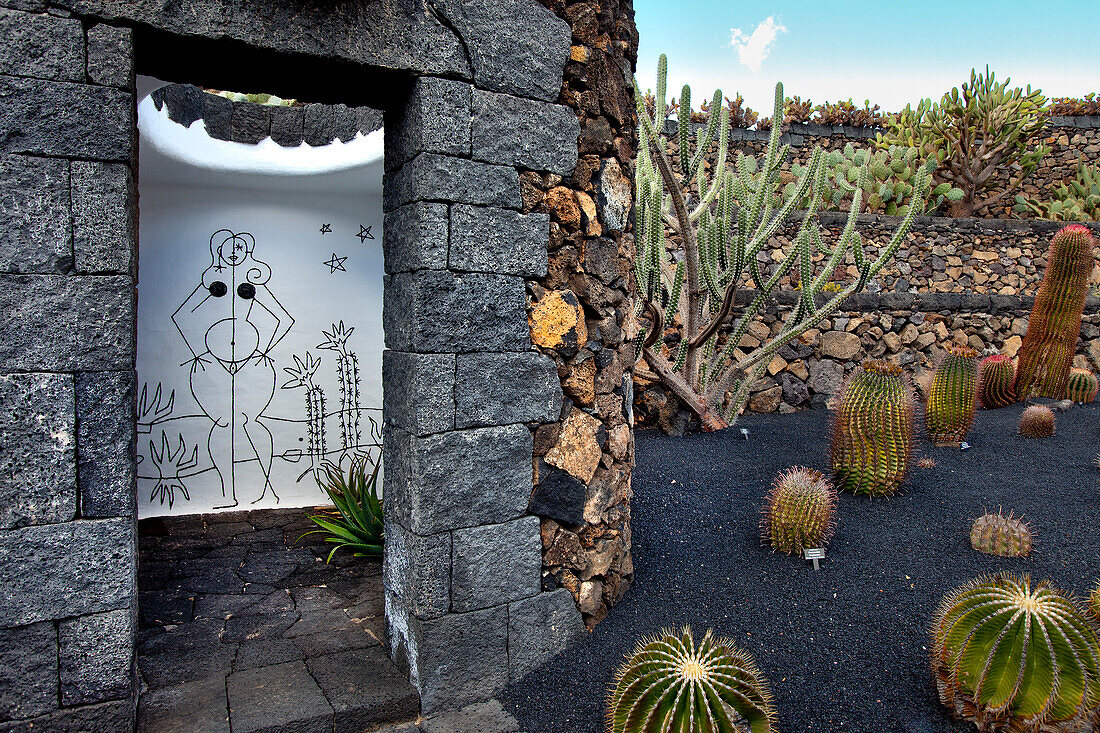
(171, 464)
(153, 410)
(302, 374)
(347, 368)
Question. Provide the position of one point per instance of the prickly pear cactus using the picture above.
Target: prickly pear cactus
(996, 534)
(1048, 347)
(953, 397)
(710, 687)
(1037, 421)
(996, 380)
(799, 511)
(873, 430)
(1012, 656)
(1082, 385)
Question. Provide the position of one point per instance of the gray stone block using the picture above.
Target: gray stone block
(345, 123)
(364, 688)
(118, 715)
(524, 133)
(249, 123)
(482, 717)
(515, 46)
(319, 124)
(28, 666)
(104, 225)
(111, 55)
(460, 479)
(434, 119)
(277, 698)
(37, 449)
(368, 119)
(498, 389)
(34, 215)
(433, 177)
(186, 708)
(217, 115)
(498, 240)
(460, 658)
(287, 125)
(559, 495)
(418, 391)
(495, 564)
(431, 311)
(105, 443)
(42, 46)
(96, 657)
(65, 120)
(53, 323)
(60, 570)
(540, 628)
(418, 570)
(414, 237)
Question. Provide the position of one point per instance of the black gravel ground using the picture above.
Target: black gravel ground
(844, 648)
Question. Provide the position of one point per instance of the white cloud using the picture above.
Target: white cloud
(754, 47)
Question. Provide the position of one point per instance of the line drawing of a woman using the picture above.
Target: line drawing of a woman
(230, 322)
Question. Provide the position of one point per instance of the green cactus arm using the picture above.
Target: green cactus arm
(720, 166)
(683, 129)
(714, 114)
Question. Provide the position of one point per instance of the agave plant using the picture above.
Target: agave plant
(1010, 656)
(670, 685)
(356, 524)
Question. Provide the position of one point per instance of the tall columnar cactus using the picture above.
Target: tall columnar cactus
(873, 430)
(996, 534)
(1051, 340)
(724, 216)
(953, 397)
(800, 511)
(1081, 385)
(1037, 421)
(996, 380)
(1012, 656)
(670, 685)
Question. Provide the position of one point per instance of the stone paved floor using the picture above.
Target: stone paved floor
(244, 630)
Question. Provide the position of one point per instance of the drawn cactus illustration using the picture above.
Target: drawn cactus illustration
(347, 368)
(1012, 656)
(1081, 385)
(995, 534)
(1037, 421)
(171, 465)
(710, 687)
(301, 377)
(152, 410)
(997, 382)
(953, 397)
(1051, 340)
(873, 430)
(799, 512)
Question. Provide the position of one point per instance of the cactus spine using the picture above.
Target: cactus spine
(873, 430)
(953, 397)
(799, 511)
(1094, 602)
(1082, 385)
(1037, 421)
(712, 687)
(996, 379)
(996, 534)
(1048, 347)
(1010, 656)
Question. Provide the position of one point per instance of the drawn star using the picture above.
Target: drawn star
(326, 228)
(364, 233)
(335, 263)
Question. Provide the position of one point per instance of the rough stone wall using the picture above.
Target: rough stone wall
(67, 530)
(583, 461)
(1070, 139)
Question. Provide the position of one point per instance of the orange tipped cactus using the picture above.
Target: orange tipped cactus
(953, 397)
(1037, 421)
(996, 379)
(1082, 385)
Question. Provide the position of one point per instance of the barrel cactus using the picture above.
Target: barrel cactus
(1012, 656)
(670, 685)
(1037, 421)
(800, 511)
(1094, 602)
(873, 430)
(996, 380)
(995, 534)
(953, 397)
(1051, 340)
(1082, 385)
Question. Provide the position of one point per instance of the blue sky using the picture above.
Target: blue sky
(889, 52)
